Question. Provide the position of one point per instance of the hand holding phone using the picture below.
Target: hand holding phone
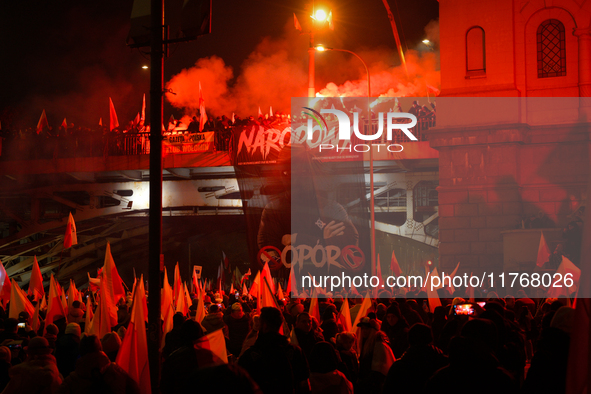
(464, 309)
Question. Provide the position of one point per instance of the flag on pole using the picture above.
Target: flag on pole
(296, 23)
(113, 122)
(255, 287)
(216, 343)
(200, 312)
(133, 354)
(177, 289)
(166, 309)
(88, 317)
(314, 310)
(73, 294)
(565, 268)
(5, 285)
(345, 316)
(70, 238)
(394, 266)
(143, 117)
(202, 113)
(64, 124)
(19, 302)
(36, 282)
(113, 287)
(266, 273)
(365, 305)
(432, 294)
(136, 120)
(101, 122)
(543, 251)
(55, 309)
(42, 122)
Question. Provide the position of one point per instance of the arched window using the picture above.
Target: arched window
(551, 49)
(475, 51)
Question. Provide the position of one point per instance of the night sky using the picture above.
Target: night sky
(68, 57)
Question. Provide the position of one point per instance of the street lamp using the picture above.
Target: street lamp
(322, 48)
(319, 16)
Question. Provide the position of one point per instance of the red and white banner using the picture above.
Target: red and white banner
(188, 143)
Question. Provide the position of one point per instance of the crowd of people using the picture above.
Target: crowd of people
(76, 141)
(514, 344)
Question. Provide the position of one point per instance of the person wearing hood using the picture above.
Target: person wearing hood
(274, 364)
(66, 351)
(95, 373)
(214, 320)
(75, 313)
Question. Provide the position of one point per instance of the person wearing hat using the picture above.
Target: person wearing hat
(38, 374)
(238, 327)
(375, 355)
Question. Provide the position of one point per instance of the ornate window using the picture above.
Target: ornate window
(475, 51)
(551, 49)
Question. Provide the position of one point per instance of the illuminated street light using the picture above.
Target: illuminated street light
(320, 15)
(145, 67)
(426, 41)
(320, 48)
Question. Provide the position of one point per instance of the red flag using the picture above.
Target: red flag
(55, 309)
(291, 282)
(296, 23)
(19, 302)
(88, 317)
(36, 282)
(202, 113)
(113, 122)
(394, 266)
(42, 122)
(266, 273)
(345, 316)
(565, 268)
(5, 285)
(177, 289)
(136, 121)
(216, 343)
(64, 124)
(144, 109)
(254, 288)
(70, 238)
(133, 354)
(543, 252)
(113, 286)
(314, 310)
(94, 284)
(101, 122)
(365, 305)
(73, 294)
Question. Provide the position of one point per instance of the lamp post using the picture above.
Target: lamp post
(318, 17)
(321, 48)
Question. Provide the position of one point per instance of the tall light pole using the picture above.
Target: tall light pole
(321, 48)
(319, 16)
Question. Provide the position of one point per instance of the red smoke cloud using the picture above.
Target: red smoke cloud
(277, 71)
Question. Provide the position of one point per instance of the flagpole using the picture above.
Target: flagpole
(155, 210)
